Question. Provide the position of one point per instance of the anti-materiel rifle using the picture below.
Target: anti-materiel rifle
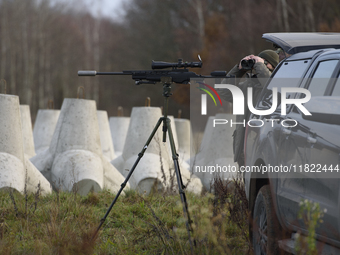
(179, 73)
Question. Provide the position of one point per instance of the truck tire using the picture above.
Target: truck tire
(266, 228)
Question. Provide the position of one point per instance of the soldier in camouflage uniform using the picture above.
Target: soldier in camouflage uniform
(265, 63)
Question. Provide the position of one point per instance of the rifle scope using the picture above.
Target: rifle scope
(180, 64)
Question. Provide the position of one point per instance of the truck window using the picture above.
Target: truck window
(336, 89)
(292, 69)
(321, 77)
(288, 75)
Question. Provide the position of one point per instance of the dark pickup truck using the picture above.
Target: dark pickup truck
(295, 156)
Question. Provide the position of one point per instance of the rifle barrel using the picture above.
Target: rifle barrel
(94, 73)
(112, 73)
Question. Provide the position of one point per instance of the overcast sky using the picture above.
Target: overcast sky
(107, 8)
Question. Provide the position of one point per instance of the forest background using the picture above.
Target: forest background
(43, 43)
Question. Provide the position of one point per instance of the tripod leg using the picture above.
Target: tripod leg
(140, 155)
(181, 186)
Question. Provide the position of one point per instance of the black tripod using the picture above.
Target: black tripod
(166, 128)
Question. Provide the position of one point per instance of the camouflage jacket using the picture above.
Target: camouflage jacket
(257, 81)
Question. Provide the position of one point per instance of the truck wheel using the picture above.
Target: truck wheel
(266, 228)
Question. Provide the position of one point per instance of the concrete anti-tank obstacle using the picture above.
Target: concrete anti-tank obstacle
(12, 172)
(193, 183)
(105, 135)
(220, 142)
(153, 170)
(174, 133)
(143, 121)
(216, 151)
(119, 163)
(119, 127)
(44, 127)
(183, 129)
(27, 130)
(12, 169)
(15, 167)
(197, 157)
(74, 160)
(149, 171)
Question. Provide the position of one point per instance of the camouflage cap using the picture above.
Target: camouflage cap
(271, 56)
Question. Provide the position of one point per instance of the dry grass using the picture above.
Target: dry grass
(64, 223)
